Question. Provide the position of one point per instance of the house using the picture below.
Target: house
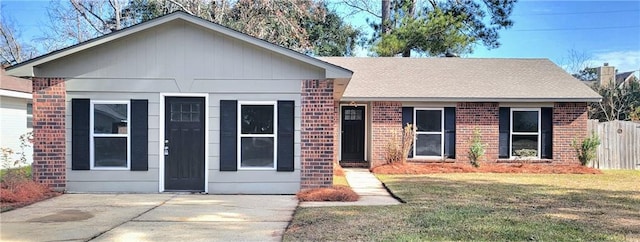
(606, 75)
(625, 78)
(516, 104)
(15, 115)
(182, 104)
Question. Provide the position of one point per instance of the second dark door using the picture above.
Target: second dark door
(184, 144)
(353, 119)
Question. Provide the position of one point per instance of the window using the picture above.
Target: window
(352, 114)
(109, 129)
(429, 124)
(525, 132)
(257, 132)
(29, 115)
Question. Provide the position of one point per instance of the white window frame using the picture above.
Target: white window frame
(92, 135)
(511, 133)
(274, 135)
(441, 133)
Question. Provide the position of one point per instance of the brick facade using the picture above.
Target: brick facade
(485, 117)
(569, 122)
(317, 134)
(386, 124)
(49, 145)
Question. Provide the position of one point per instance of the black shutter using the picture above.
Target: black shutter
(285, 135)
(450, 132)
(80, 134)
(504, 127)
(139, 135)
(547, 133)
(407, 118)
(228, 135)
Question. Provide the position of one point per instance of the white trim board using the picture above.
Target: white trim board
(16, 94)
(161, 137)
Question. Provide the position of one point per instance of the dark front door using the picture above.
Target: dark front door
(353, 119)
(184, 144)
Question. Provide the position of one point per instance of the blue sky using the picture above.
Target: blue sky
(607, 31)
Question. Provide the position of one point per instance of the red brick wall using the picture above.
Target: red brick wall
(386, 124)
(485, 117)
(569, 122)
(49, 107)
(317, 134)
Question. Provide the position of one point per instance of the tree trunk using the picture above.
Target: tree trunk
(386, 20)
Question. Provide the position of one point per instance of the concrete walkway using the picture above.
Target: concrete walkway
(365, 184)
(150, 217)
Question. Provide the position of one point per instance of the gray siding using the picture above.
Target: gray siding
(243, 181)
(180, 57)
(178, 52)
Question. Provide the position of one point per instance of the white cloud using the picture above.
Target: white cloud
(623, 60)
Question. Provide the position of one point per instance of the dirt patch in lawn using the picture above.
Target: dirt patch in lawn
(410, 168)
(332, 194)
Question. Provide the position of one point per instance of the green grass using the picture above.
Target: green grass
(340, 181)
(487, 207)
(23, 170)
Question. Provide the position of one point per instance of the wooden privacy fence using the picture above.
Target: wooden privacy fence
(620, 144)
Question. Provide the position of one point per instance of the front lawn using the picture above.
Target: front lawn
(487, 206)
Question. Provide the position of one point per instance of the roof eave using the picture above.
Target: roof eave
(462, 99)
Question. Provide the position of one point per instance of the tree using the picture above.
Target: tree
(618, 102)
(330, 36)
(435, 27)
(286, 23)
(11, 50)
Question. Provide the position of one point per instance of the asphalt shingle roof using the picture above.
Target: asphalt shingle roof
(460, 79)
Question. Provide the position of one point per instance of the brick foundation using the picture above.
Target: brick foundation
(49, 145)
(386, 124)
(569, 122)
(485, 117)
(317, 134)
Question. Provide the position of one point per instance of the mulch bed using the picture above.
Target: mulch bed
(23, 194)
(332, 194)
(410, 168)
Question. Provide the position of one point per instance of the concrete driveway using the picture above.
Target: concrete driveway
(150, 217)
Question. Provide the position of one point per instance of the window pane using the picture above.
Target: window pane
(429, 120)
(257, 119)
(521, 143)
(110, 152)
(185, 112)
(525, 121)
(29, 108)
(257, 152)
(110, 118)
(428, 145)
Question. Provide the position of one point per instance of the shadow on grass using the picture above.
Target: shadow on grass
(454, 209)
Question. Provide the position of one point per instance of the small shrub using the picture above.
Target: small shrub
(476, 148)
(333, 194)
(397, 153)
(524, 153)
(586, 150)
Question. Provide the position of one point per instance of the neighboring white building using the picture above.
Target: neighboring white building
(15, 113)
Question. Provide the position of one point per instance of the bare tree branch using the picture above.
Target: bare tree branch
(82, 10)
(181, 6)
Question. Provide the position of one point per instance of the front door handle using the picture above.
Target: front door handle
(166, 147)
